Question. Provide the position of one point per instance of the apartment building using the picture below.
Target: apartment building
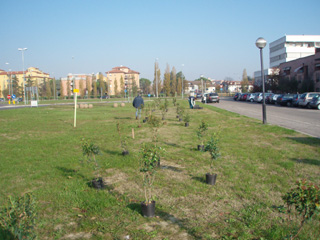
(32, 74)
(291, 47)
(82, 81)
(306, 68)
(122, 77)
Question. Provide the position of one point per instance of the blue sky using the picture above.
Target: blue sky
(211, 37)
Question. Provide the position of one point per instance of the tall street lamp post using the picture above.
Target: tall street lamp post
(24, 77)
(261, 43)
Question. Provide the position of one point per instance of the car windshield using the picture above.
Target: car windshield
(303, 96)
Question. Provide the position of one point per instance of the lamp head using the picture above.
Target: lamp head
(261, 43)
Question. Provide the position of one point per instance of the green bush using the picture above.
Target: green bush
(18, 218)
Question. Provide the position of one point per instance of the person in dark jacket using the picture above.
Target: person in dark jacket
(137, 103)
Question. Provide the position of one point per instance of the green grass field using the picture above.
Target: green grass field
(41, 152)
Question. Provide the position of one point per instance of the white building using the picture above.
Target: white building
(291, 47)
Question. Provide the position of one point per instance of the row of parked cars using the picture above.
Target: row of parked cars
(308, 100)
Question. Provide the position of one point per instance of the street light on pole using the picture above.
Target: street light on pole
(24, 77)
(261, 43)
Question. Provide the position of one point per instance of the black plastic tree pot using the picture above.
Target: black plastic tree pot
(177, 116)
(211, 178)
(144, 120)
(180, 119)
(186, 124)
(148, 209)
(163, 118)
(124, 153)
(97, 183)
(200, 147)
(147, 118)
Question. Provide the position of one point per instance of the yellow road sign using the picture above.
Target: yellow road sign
(75, 90)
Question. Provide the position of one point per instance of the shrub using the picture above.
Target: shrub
(18, 218)
(201, 132)
(305, 198)
(150, 155)
(212, 146)
(89, 150)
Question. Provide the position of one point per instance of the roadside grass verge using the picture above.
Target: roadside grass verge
(41, 152)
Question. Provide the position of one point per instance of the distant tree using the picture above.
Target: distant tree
(179, 86)
(94, 87)
(102, 84)
(81, 88)
(115, 86)
(244, 82)
(157, 79)
(16, 89)
(307, 85)
(121, 86)
(62, 94)
(69, 88)
(145, 85)
(48, 89)
(173, 81)
(134, 86)
(272, 81)
(166, 80)
(182, 83)
(88, 86)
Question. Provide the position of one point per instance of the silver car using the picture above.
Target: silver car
(305, 99)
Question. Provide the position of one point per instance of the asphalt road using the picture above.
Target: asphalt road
(302, 120)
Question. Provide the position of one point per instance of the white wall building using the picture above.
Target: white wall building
(291, 47)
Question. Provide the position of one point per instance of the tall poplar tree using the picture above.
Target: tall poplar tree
(81, 88)
(179, 86)
(166, 80)
(244, 82)
(88, 86)
(48, 89)
(62, 95)
(173, 81)
(115, 87)
(102, 84)
(94, 87)
(68, 88)
(156, 67)
(122, 86)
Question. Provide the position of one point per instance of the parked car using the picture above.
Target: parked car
(210, 98)
(250, 97)
(198, 96)
(1, 99)
(315, 102)
(295, 100)
(274, 97)
(305, 99)
(105, 97)
(243, 96)
(19, 99)
(268, 98)
(237, 96)
(258, 98)
(285, 100)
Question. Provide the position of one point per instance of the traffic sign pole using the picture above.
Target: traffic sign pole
(75, 110)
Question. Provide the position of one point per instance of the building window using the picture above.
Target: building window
(318, 77)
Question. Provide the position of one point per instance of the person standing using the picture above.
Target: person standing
(137, 103)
